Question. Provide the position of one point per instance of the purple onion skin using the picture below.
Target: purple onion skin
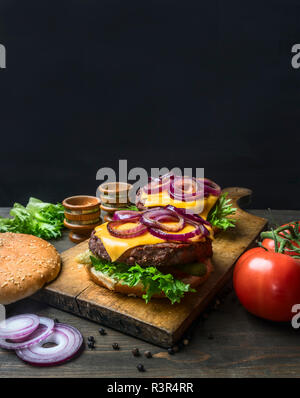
(205, 187)
(126, 215)
(20, 334)
(151, 219)
(192, 217)
(211, 188)
(46, 331)
(77, 351)
(175, 237)
(186, 197)
(139, 230)
(47, 365)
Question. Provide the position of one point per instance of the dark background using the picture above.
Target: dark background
(160, 83)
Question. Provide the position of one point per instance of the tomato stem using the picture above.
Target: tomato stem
(286, 238)
(262, 246)
(275, 240)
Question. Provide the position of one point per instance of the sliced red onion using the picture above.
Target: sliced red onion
(164, 178)
(210, 187)
(68, 341)
(140, 229)
(199, 230)
(152, 218)
(192, 217)
(167, 218)
(126, 214)
(155, 186)
(44, 329)
(185, 189)
(153, 179)
(19, 327)
(167, 176)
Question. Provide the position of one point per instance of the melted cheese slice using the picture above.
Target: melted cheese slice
(201, 206)
(115, 247)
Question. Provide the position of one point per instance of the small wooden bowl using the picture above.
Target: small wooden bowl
(115, 193)
(82, 215)
(114, 196)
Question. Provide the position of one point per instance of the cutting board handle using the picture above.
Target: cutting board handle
(241, 197)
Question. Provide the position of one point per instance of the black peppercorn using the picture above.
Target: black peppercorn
(171, 351)
(102, 331)
(148, 354)
(91, 345)
(135, 352)
(56, 320)
(115, 346)
(91, 338)
(140, 367)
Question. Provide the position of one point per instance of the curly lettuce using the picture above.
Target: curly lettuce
(153, 281)
(38, 218)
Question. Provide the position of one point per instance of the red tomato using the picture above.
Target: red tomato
(267, 283)
(270, 244)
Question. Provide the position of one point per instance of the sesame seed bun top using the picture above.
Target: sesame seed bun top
(26, 264)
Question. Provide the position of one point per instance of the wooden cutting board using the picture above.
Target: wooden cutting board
(158, 322)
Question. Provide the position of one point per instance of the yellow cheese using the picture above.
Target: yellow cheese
(201, 206)
(115, 247)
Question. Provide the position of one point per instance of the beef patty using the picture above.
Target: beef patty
(158, 255)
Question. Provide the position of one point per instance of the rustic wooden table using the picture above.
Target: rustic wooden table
(229, 343)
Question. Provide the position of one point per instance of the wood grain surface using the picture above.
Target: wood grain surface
(158, 321)
(227, 342)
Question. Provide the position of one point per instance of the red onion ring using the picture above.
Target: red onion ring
(126, 215)
(178, 191)
(68, 341)
(140, 229)
(210, 187)
(199, 230)
(19, 327)
(164, 178)
(155, 186)
(151, 218)
(192, 217)
(167, 176)
(41, 333)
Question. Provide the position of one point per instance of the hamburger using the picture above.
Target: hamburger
(162, 249)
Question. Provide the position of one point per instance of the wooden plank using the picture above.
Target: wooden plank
(72, 281)
(242, 344)
(158, 322)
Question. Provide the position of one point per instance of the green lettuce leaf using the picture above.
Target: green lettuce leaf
(151, 278)
(38, 218)
(218, 214)
(132, 208)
